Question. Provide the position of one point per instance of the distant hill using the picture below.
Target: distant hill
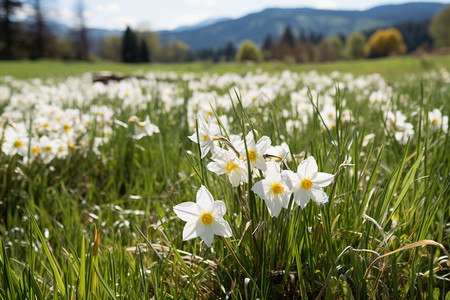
(201, 24)
(257, 26)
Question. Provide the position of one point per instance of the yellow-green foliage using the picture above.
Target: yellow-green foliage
(440, 28)
(385, 42)
(354, 46)
(248, 51)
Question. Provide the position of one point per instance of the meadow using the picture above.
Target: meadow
(198, 181)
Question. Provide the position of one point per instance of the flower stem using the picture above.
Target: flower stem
(239, 263)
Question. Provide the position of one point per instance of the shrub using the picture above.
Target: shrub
(385, 42)
(248, 51)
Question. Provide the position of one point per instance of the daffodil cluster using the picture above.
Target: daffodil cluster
(232, 157)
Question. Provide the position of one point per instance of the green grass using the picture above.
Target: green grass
(392, 66)
(101, 225)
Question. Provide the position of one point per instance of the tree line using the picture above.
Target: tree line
(33, 38)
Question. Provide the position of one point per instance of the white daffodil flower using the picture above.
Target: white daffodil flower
(275, 189)
(145, 128)
(204, 217)
(307, 183)
(437, 120)
(15, 140)
(204, 137)
(256, 151)
(225, 161)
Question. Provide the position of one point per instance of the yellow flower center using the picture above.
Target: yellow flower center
(48, 148)
(67, 127)
(36, 150)
(230, 166)
(435, 121)
(18, 144)
(207, 218)
(46, 124)
(254, 98)
(330, 115)
(141, 124)
(61, 148)
(277, 188)
(252, 156)
(306, 184)
(205, 137)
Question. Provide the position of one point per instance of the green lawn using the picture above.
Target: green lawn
(392, 66)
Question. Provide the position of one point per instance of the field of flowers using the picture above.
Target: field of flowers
(243, 186)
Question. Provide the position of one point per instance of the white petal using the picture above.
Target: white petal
(204, 198)
(273, 172)
(187, 211)
(216, 167)
(318, 195)
(294, 179)
(286, 178)
(274, 207)
(323, 179)
(202, 124)
(205, 147)
(263, 144)
(218, 209)
(301, 198)
(250, 141)
(221, 227)
(284, 199)
(259, 189)
(260, 163)
(207, 236)
(193, 137)
(235, 178)
(308, 168)
(191, 230)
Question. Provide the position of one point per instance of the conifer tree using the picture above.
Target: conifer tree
(129, 46)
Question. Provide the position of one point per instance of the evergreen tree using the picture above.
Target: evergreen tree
(6, 29)
(415, 34)
(302, 37)
(129, 46)
(288, 37)
(230, 51)
(39, 27)
(143, 52)
(268, 43)
(81, 35)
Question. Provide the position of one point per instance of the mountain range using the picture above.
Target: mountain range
(216, 33)
(273, 21)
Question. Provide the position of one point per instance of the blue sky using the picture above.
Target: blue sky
(169, 14)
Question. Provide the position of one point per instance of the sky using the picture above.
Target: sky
(170, 14)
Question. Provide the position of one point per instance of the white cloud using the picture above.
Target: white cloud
(110, 8)
(326, 4)
(188, 19)
(207, 3)
(117, 22)
(25, 11)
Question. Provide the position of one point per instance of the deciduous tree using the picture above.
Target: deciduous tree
(248, 51)
(385, 42)
(440, 28)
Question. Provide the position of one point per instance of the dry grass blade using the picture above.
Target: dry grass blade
(411, 246)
